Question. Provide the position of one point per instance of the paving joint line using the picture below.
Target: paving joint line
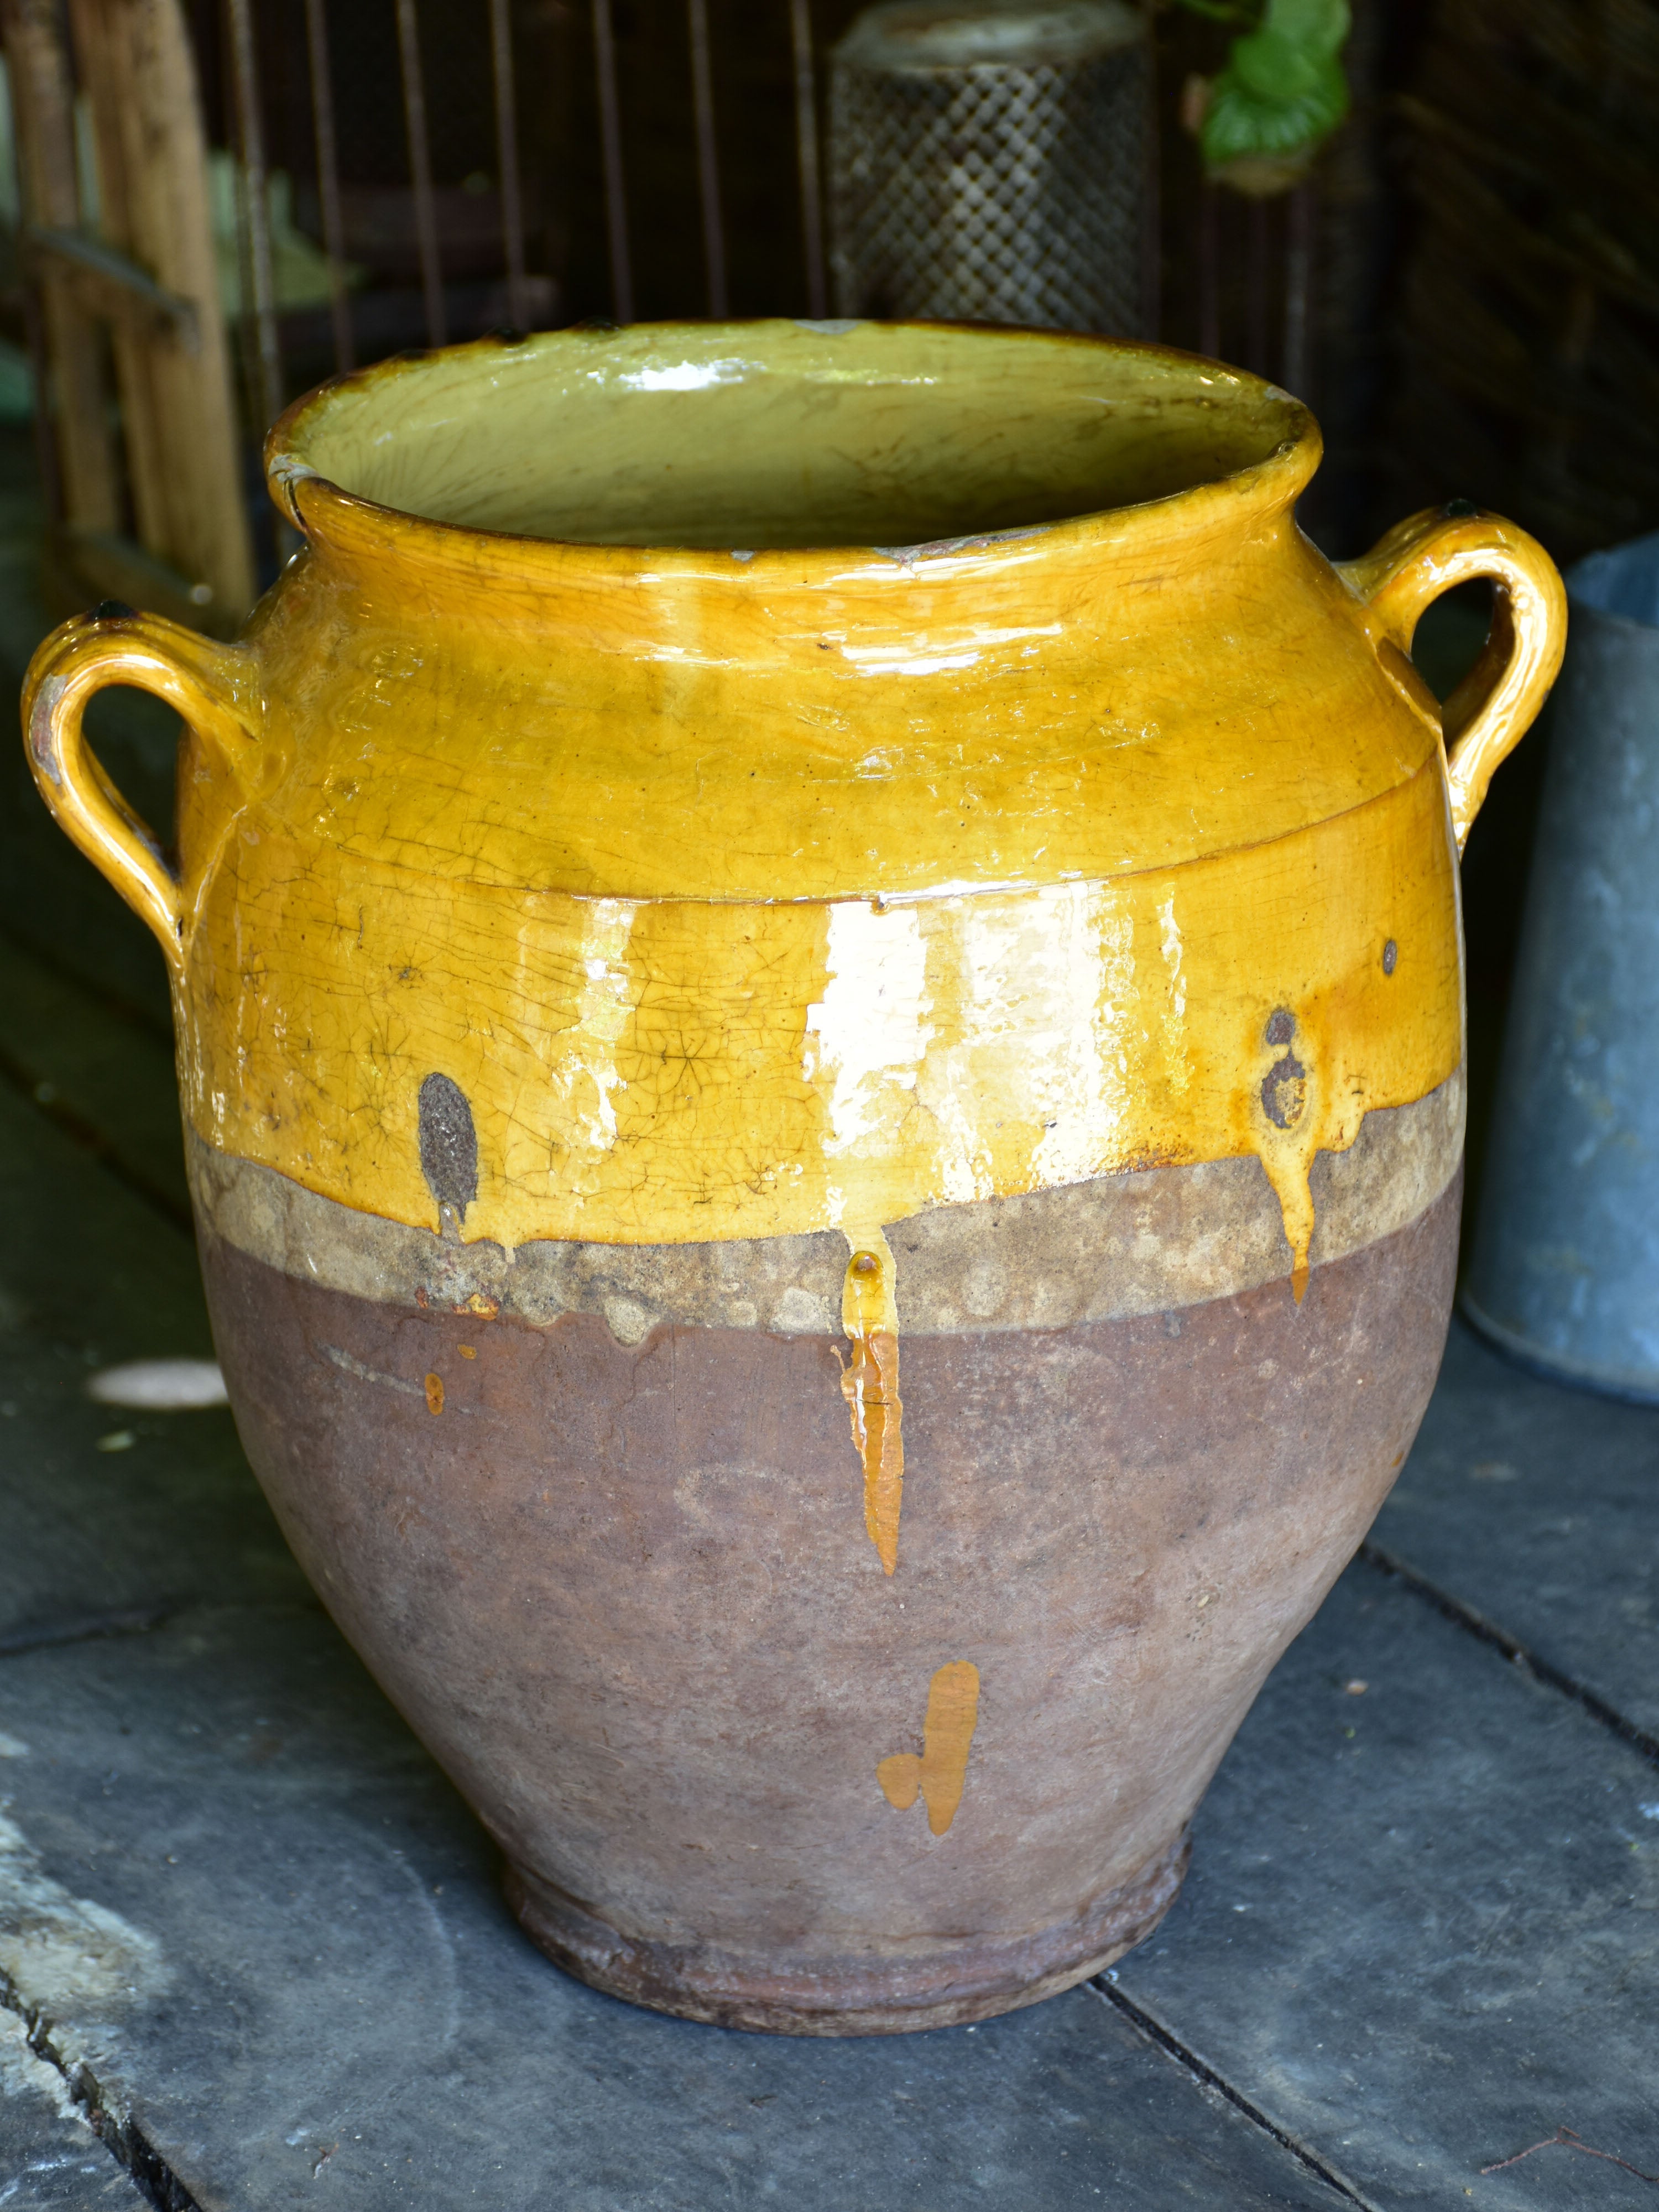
(1475, 1623)
(1105, 1987)
(142, 1620)
(91, 1138)
(87, 1628)
(124, 2140)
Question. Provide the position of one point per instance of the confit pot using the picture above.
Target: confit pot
(819, 991)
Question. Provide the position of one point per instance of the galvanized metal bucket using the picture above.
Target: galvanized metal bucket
(1565, 1271)
(988, 163)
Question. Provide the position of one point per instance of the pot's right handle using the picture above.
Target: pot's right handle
(1494, 706)
(207, 683)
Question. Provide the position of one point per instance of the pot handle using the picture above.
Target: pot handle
(1494, 706)
(210, 684)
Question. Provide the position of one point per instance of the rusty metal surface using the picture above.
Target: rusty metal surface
(988, 163)
(1565, 1271)
(624, 1593)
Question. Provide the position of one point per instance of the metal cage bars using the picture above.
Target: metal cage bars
(245, 75)
(1285, 353)
(1291, 343)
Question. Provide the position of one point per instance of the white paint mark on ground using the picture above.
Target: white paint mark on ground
(162, 1386)
(20, 2070)
(72, 1958)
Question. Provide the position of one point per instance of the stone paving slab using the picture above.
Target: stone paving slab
(1421, 1929)
(306, 1990)
(50, 2158)
(109, 1078)
(1537, 1508)
(91, 1275)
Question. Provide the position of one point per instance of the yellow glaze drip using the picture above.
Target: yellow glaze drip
(869, 1384)
(947, 1735)
(1292, 1188)
(1301, 1109)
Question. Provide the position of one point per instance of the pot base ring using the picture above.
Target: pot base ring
(973, 1980)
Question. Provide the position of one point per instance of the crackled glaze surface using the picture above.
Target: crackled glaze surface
(819, 1002)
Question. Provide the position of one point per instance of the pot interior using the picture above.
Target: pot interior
(754, 435)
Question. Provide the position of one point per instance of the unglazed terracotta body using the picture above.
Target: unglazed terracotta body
(819, 1002)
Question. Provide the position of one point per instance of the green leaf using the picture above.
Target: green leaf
(1272, 67)
(1240, 122)
(1283, 89)
(1318, 24)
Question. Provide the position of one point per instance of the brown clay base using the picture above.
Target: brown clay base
(974, 1980)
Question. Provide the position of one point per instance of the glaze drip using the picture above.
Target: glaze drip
(1293, 1190)
(947, 1735)
(1300, 1111)
(869, 1384)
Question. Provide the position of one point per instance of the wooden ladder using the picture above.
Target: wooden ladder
(145, 498)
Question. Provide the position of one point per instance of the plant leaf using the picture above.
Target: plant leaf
(1240, 122)
(1283, 89)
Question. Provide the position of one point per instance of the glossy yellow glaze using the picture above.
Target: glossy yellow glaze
(668, 1072)
(749, 878)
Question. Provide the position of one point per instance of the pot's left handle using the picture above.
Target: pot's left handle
(1493, 707)
(207, 683)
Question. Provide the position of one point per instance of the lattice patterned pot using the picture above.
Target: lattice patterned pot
(989, 163)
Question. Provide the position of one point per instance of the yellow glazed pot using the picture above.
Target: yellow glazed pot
(819, 1008)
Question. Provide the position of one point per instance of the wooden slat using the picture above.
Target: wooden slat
(86, 566)
(112, 288)
(177, 409)
(44, 125)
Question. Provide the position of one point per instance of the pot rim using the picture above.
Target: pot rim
(324, 510)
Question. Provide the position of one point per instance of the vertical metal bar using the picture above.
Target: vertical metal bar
(1152, 238)
(708, 175)
(806, 139)
(420, 173)
(245, 71)
(616, 196)
(1298, 291)
(1257, 310)
(328, 183)
(1209, 270)
(507, 159)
